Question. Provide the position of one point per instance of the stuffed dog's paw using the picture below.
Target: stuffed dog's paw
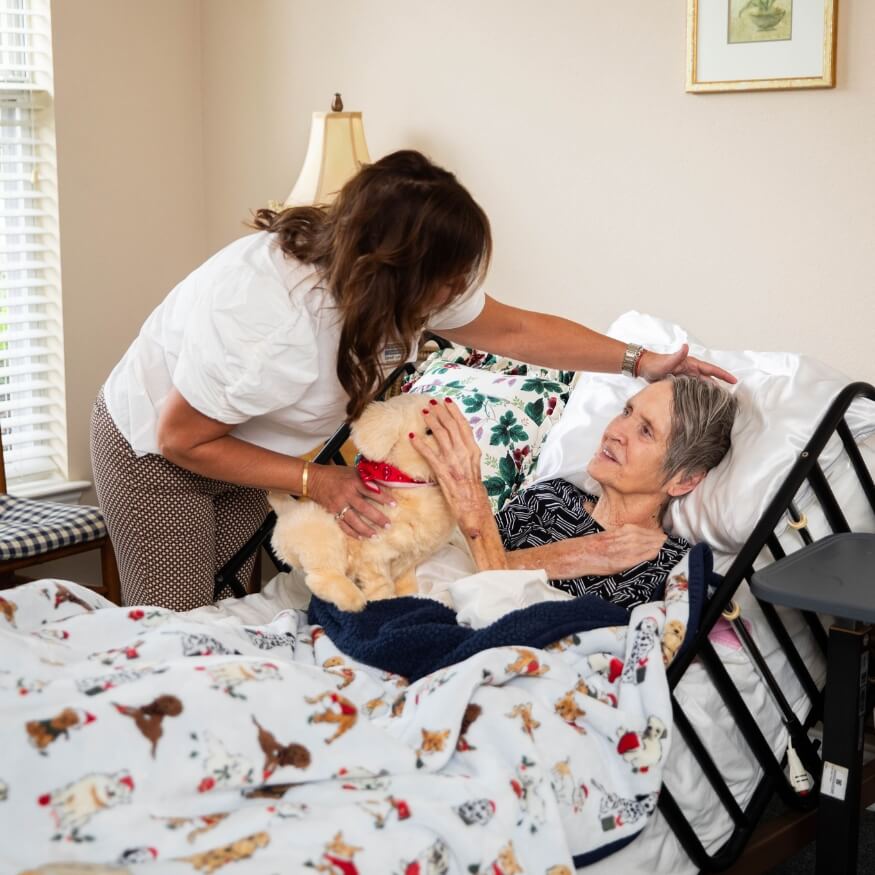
(337, 589)
(307, 537)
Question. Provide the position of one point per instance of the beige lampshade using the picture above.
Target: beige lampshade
(336, 152)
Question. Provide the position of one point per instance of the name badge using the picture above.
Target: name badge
(393, 355)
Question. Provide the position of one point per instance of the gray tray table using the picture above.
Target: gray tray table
(835, 576)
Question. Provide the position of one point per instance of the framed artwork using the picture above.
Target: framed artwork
(758, 45)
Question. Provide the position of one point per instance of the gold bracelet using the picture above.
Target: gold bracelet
(304, 477)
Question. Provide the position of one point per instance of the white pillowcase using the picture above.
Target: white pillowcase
(782, 397)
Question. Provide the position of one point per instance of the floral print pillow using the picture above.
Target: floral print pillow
(509, 413)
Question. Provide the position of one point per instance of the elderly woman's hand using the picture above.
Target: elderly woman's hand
(617, 550)
(454, 458)
(656, 366)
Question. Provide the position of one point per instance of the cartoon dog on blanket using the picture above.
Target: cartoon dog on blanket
(350, 572)
(74, 804)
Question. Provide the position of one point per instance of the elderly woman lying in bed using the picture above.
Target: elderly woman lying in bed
(658, 448)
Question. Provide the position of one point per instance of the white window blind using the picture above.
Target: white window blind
(32, 410)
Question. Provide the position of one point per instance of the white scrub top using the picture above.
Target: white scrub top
(250, 339)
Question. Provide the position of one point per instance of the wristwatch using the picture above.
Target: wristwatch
(631, 358)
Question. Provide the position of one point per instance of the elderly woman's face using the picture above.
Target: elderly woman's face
(630, 456)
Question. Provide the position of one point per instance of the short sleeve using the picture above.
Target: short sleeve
(246, 350)
(461, 312)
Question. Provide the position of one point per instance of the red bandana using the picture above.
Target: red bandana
(385, 474)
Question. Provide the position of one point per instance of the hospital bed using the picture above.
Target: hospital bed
(754, 682)
(735, 704)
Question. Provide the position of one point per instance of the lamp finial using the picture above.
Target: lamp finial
(337, 103)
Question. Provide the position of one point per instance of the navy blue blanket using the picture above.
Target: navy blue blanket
(415, 636)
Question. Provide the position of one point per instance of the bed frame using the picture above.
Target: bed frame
(790, 832)
(753, 846)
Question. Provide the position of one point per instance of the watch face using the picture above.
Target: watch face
(630, 358)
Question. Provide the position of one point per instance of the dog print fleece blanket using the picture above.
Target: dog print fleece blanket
(138, 740)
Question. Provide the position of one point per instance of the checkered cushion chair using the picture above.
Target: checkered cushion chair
(34, 528)
(32, 532)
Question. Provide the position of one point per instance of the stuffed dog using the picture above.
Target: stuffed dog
(347, 571)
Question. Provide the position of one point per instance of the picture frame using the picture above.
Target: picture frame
(760, 45)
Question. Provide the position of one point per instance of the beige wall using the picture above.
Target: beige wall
(128, 114)
(131, 190)
(749, 217)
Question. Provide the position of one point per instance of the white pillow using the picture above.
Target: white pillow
(782, 397)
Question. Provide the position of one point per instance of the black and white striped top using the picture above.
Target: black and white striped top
(554, 511)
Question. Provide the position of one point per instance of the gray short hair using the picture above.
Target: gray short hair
(702, 413)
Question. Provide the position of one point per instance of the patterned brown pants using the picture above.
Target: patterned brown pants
(171, 529)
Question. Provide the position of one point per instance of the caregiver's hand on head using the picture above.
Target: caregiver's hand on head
(454, 458)
(656, 366)
(339, 488)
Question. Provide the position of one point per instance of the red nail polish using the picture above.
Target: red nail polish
(424, 412)
(411, 435)
(432, 401)
(448, 400)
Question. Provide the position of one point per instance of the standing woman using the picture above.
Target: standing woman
(256, 357)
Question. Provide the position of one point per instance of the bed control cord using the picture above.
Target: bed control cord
(800, 777)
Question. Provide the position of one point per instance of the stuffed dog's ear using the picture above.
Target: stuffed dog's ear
(376, 431)
(280, 502)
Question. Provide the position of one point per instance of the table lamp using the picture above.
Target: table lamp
(335, 153)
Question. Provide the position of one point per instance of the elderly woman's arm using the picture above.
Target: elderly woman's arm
(455, 461)
(601, 554)
(454, 458)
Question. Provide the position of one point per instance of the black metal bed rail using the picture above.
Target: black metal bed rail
(806, 469)
(811, 619)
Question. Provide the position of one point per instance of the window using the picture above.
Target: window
(32, 411)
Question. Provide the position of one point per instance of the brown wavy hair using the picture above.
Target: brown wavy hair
(402, 240)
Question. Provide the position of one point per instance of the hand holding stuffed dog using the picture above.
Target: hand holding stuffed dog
(348, 571)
